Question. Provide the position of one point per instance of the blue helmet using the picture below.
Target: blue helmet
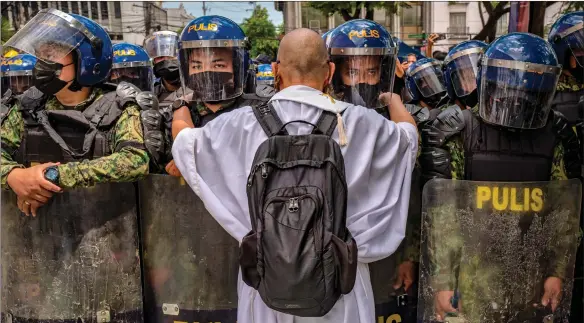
(425, 81)
(364, 54)
(52, 34)
(213, 59)
(517, 80)
(16, 73)
(133, 65)
(567, 36)
(326, 37)
(460, 71)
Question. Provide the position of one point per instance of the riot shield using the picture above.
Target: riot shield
(77, 261)
(190, 263)
(492, 251)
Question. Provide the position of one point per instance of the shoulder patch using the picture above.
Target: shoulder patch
(448, 123)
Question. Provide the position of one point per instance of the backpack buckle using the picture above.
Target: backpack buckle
(293, 205)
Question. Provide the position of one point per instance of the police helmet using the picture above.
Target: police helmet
(52, 34)
(265, 81)
(16, 73)
(213, 59)
(326, 37)
(364, 54)
(460, 71)
(567, 37)
(133, 65)
(162, 44)
(517, 81)
(425, 81)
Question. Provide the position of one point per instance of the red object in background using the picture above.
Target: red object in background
(519, 17)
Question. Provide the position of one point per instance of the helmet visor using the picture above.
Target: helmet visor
(406, 95)
(360, 79)
(212, 73)
(162, 44)
(17, 82)
(517, 94)
(574, 39)
(464, 74)
(429, 79)
(51, 35)
(141, 76)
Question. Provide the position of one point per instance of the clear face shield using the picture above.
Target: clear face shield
(17, 81)
(212, 72)
(517, 94)
(141, 76)
(162, 44)
(429, 79)
(51, 35)
(362, 74)
(574, 40)
(465, 71)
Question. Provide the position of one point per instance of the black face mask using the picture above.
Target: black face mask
(470, 100)
(212, 86)
(434, 100)
(362, 94)
(578, 73)
(45, 77)
(168, 70)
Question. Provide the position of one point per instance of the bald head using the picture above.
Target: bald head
(303, 58)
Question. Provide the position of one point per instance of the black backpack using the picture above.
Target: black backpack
(300, 256)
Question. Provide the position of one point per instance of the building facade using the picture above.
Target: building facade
(457, 20)
(124, 21)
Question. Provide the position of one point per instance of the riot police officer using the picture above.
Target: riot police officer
(460, 72)
(16, 77)
(162, 48)
(364, 55)
(131, 64)
(513, 137)
(265, 81)
(425, 83)
(214, 65)
(65, 133)
(567, 39)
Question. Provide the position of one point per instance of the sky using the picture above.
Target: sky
(235, 11)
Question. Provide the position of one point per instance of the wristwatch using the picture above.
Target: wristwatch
(52, 175)
(179, 103)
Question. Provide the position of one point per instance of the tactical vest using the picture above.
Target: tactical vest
(241, 101)
(567, 104)
(66, 135)
(494, 153)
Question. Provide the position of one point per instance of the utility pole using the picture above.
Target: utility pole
(204, 9)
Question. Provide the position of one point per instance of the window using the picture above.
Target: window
(104, 11)
(117, 9)
(412, 16)
(84, 9)
(75, 7)
(64, 6)
(34, 6)
(94, 11)
(44, 5)
(313, 19)
(503, 24)
(457, 23)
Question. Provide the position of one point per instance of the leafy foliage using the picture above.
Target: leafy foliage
(6, 33)
(350, 10)
(261, 32)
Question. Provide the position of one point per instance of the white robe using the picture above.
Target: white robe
(379, 157)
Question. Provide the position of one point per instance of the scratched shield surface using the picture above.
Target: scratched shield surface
(190, 262)
(77, 261)
(492, 250)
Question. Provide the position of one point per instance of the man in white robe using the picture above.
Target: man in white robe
(379, 157)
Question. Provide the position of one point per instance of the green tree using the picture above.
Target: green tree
(350, 10)
(261, 33)
(180, 30)
(6, 32)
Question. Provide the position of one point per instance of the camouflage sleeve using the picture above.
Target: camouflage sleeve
(128, 163)
(412, 239)
(570, 230)
(444, 242)
(454, 147)
(11, 131)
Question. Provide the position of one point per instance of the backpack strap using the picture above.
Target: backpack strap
(268, 119)
(327, 122)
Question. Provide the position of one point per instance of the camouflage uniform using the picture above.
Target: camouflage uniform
(127, 165)
(74, 253)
